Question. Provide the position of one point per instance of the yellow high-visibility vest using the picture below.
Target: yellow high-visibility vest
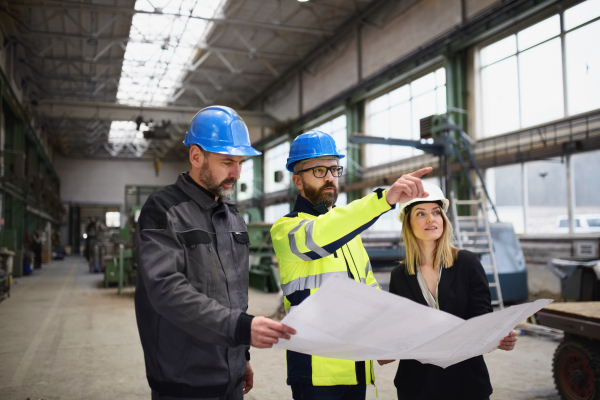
(312, 245)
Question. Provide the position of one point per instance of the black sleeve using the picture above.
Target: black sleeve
(242, 330)
(393, 277)
(480, 299)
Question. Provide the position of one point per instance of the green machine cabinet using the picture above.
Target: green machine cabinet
(111, 269)
(264, 271)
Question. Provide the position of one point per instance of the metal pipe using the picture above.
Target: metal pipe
(525, 196)
(121, 247)
(570, 193)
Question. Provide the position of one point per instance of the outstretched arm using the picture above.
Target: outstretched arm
(296, 239)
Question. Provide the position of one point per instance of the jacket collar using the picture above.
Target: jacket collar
(304, 206)
(199, 194)
(416, 289)
(443, 288)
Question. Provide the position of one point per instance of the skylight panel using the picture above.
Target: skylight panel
(160, 46)
(126, 132)
(155, 60)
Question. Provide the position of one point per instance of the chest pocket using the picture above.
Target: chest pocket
(202, 265)
(241, 237)
(192, 238)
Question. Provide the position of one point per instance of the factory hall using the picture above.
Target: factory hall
(300, 199)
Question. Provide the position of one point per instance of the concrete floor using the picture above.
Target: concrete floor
(63, 336)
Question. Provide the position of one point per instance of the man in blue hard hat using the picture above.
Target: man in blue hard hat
(191, 247)
(317, 241)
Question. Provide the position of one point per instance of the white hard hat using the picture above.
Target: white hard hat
(435, 195)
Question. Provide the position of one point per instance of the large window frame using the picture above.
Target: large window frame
(274, 160)
(480, 130)
(247, 179)
(569, 184)
(439, 75)
(333, 127)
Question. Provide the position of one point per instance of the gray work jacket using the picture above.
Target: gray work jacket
(192, 291)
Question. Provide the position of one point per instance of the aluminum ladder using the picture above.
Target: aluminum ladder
(473, 234)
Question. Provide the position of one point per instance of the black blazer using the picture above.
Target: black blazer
(463, 291)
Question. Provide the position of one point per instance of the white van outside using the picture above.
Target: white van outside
(584, 223)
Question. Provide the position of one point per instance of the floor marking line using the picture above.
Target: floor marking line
(27, 359)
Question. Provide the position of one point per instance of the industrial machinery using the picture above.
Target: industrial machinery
(264, 272)
(119, 268)
(437, 139)
(576, 363)
(6, 270)
(579, 280)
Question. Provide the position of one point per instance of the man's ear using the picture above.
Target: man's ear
(297, 182)
(196, 157)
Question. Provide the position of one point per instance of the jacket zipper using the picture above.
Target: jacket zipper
(353, 262)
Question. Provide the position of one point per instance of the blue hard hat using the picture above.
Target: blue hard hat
(219, 129)
(311, 144)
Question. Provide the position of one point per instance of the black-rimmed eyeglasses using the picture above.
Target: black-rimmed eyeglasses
(321, 172)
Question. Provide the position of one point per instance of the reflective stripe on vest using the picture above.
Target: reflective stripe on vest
(310, 282)
(293, 246)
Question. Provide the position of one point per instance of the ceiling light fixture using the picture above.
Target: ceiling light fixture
(251, 56)
(302, 1)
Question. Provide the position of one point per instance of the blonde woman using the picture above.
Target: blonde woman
(438, 275)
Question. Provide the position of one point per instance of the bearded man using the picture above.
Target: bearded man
(191, 247)
(317, 241)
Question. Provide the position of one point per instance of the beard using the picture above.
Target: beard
(208, 180)
(318, 195)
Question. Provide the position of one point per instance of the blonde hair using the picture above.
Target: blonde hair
(445, 252)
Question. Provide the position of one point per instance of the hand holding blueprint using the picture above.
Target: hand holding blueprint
(348, 320)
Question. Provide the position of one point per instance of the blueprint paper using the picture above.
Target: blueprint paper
(348, 320)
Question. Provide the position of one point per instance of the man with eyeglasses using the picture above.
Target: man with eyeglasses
(317, 241)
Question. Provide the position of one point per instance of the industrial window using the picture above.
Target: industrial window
(505, 187)
(245, 185)
(276, 211)
(337, 129)
(276, 176)
(542, 73)
(586, 186)
(113, 219)
(396, 114)
(342, 199)
(534, 196)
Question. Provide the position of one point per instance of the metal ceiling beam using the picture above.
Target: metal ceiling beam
(118, 62)
(121, 112)
(124, 40)
(65, 4)
(92, 81)
(316, 4)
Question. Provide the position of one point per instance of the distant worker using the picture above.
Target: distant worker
(317, 241)
(36, 247)
(192, 252)
(437, 275)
